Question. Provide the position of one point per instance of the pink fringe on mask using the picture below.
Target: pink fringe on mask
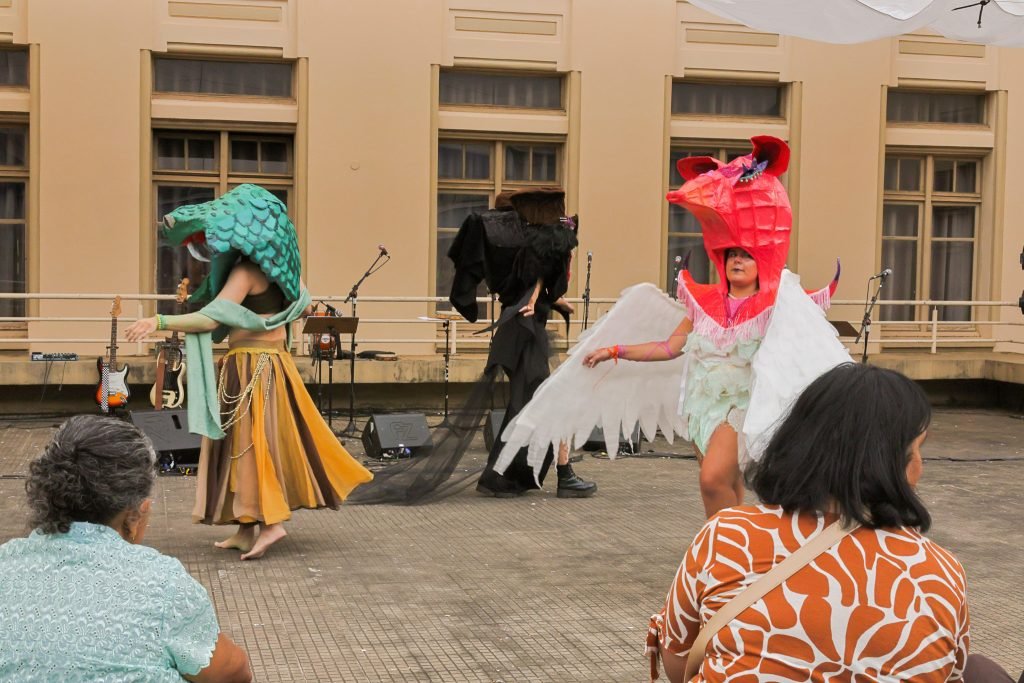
(723, 337)
(822, 297)
(754, 328)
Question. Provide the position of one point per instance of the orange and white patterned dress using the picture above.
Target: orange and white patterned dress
(881, 605)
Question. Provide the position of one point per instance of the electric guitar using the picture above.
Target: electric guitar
(323, 345)
(112, 391)
(169, 389)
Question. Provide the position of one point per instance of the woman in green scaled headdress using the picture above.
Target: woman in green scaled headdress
(266, 450)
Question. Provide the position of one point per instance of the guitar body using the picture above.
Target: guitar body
(113, 383)
(169, 389)
(173, 392)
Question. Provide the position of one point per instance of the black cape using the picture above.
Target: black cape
(510, 255)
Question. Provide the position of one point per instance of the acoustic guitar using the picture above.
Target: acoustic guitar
(112, 391)
(170, 364)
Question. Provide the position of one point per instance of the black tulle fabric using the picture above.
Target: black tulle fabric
(511, 256)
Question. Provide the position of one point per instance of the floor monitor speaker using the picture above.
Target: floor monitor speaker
(626, 447)
(397, 435)
(168, 430)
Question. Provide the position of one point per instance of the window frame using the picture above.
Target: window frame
(28, 68)
(179, 94)
(186, 135)
(220, 180)
(18, 174)
(927, 199)
(487, 188)
(986, 111)
(781, 87)
(563, 93)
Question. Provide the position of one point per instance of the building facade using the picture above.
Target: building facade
(387, 122)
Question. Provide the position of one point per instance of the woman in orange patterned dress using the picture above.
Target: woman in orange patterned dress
(883, 604)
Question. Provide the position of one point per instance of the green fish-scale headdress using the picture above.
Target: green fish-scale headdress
(248, 220)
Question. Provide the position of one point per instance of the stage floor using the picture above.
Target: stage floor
(535, 588)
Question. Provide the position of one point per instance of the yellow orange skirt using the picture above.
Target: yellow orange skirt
(278, 454)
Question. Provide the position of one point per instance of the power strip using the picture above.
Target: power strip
(60, 356)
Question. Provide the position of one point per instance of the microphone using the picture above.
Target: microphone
(590, 256)
(881, 276)
(383, 250)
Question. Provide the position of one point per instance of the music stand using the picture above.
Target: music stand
(844, 328)
(334, 325)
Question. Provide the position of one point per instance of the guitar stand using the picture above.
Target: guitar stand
(318, 360)
(314, 353)
(332, 325)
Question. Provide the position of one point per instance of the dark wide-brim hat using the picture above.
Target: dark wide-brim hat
(540, 205)
(503, 202)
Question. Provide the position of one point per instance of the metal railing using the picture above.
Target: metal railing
(598, 305)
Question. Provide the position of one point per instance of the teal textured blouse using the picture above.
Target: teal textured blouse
(89, 606)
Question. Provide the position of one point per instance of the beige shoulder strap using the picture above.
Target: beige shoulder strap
(803, 556)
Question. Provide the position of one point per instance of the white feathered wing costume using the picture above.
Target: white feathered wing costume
(799, 345)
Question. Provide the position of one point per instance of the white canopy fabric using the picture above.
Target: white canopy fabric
(858, 21)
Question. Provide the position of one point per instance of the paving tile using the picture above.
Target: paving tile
(535, 588)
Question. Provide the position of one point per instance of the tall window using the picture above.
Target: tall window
(929, 232)
(684, 235)
(745, 106)
(192, 167)
(13, 248)
(222, 77)
(473, 170)
(471, 173)
(13, 188)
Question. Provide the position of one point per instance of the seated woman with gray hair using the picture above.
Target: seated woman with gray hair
(80, 599)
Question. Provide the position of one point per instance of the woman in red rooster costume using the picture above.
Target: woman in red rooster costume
(734, 354)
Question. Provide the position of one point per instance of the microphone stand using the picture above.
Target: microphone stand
(445, 424)
(353, 296)
(674, 286)
(865, 323)
(586, 291)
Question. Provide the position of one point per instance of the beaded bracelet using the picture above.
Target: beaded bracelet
(161, 324)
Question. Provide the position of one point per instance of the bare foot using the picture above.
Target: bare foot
(269, 535)
(242, 539)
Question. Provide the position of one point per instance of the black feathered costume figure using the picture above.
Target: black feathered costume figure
(523, 253)
(522, 250)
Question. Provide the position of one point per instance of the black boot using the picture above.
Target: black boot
(493, 484)
(571, 486)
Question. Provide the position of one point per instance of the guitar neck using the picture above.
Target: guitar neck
(113, 342)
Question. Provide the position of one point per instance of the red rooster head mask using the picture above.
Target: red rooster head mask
(741, 204)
